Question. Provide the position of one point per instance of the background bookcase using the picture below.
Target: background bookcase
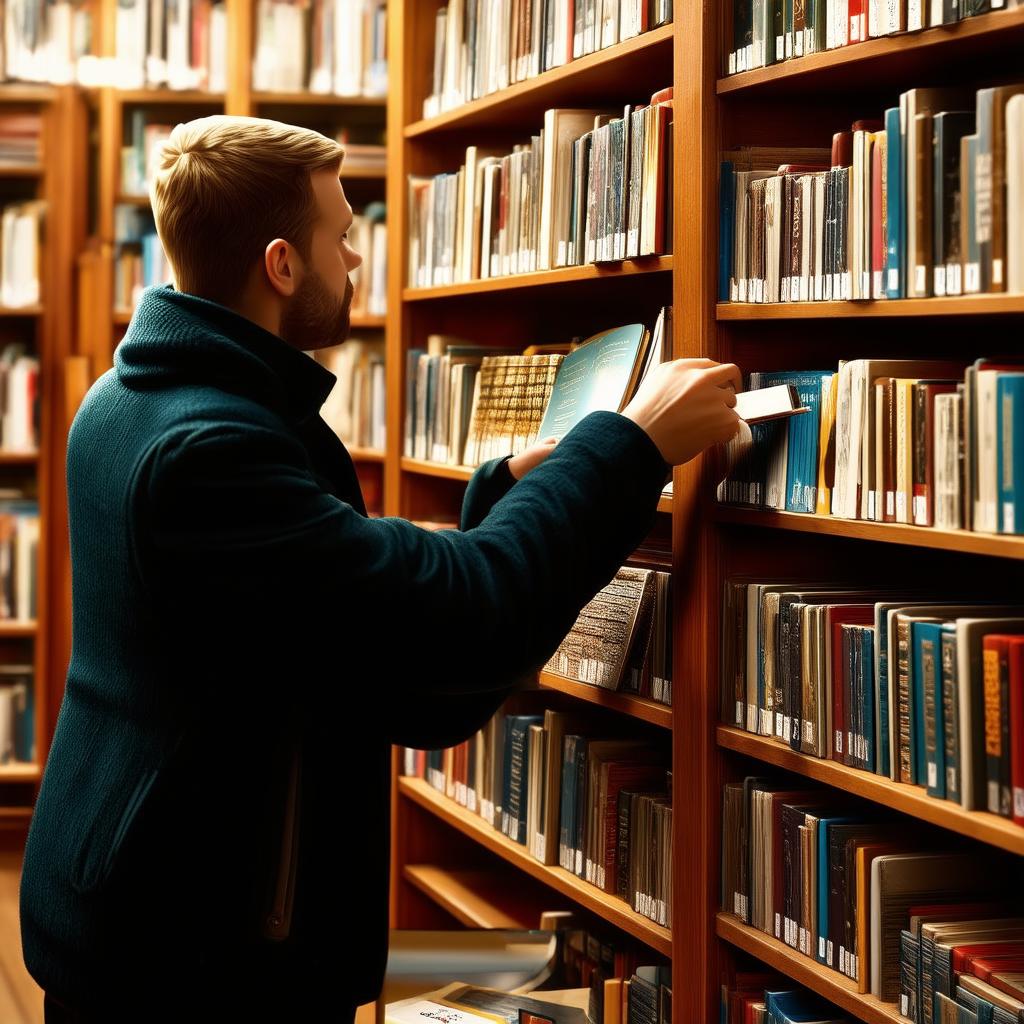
(801, 102)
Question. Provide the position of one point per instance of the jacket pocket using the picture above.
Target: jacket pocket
(278, 920)
(102, 843)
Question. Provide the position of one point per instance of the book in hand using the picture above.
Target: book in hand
(771, 403)
(601, 374)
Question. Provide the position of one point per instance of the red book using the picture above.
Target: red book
(964, 957)
(842, 149)
(1016, 679)
(858, 21)
(995, 682)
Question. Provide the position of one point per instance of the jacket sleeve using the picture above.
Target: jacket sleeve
(242, 551)
(491, 482)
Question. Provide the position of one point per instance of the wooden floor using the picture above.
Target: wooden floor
(21, 999)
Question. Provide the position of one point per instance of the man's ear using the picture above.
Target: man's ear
(283, 266)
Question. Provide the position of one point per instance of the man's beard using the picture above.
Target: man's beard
(316, 318)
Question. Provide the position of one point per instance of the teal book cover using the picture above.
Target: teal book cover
(926, 655)
(595, 377)
(928, 667)
(1010, 451)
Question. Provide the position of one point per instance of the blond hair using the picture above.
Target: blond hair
(226, 186)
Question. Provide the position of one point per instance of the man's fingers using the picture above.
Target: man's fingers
(725, 374)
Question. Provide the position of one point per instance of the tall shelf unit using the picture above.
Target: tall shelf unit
(800, 102)
(101, 323)
(46, 330)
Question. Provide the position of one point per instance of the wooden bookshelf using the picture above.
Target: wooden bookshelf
(12, 311)
(966, 541)
(477, 899)
(887, 57)
(826, 982)
(913, 800)
(624, 703)
(543, 278)
(958, 306)
(612, 909)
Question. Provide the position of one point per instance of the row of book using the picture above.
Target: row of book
(912, 686)
(841, 882)
(355, 407)
(763, 997)
(368, 235)
(21, 230)
(139, 257)
(591, 187)
(19, 555)
(622, 638)
(466, 403)
(481, 47)
(923, 442)
(43, 41)
(19, 399)
(180, 45)
(927, 202)
(17, 715)
(21, 139)
(571, 791)
(143, 140)
(764, 32)
(325, 46)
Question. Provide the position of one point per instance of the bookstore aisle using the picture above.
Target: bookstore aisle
(814, 811)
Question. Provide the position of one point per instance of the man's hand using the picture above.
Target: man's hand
(687, 405)
(521, 464)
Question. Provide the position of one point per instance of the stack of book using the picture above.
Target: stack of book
(916, 687)
(554, 783)
(19, 394)
(326, 46)
(21, 142)
(17, 716)
(362, 157)
(369, 237)
(355, 407)
(42, 41)
(481, 47)
(139, 258)
(921, 442)
(175, 46)
(840, 883)
(767, 998)
(928, 201)
(763, 32)
(19, 544)
(20, 253)
(468, 403)
(592, 186)
(622, 639)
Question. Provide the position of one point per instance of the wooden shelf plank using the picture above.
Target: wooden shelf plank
(129, 199)
(874, 56)
(478, 899)
(20, 772)
(17, 628)
(562, 86)
(170, 97)
(21, 170)
(615, 911)
(543, 278)
(362, 173)
(913, 800)
(365, 454)
(427, 468)
(955, 305)
(35, 310)
(18, 459)
(17, 92)
(665, 503)
(366, 322)
(122, 317)
(964, 541)
(817, 977)
(625, 703)
(317, 99)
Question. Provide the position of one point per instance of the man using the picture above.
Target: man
(211, 836)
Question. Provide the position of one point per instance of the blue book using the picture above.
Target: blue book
(567, 813)
(799, 1008)
(1010, 451)
(726, 227)
(924, 644)
(824, 824)
(895, 197)
(802, 467)
(927, 699)
(882, 689)
(599, 375)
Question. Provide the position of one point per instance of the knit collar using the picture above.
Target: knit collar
(177, 338)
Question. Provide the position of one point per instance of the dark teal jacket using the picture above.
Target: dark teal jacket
(213, 821)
